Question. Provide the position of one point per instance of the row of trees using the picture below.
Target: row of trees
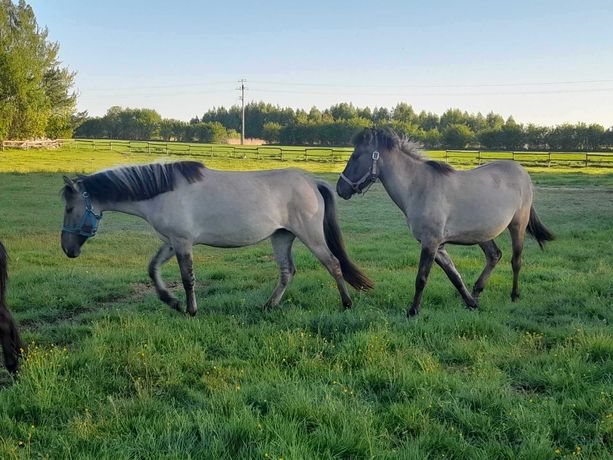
(35, 90)
(336, 125)
(452, 129)
(136, 124)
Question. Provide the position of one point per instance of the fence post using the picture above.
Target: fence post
(586, 163)
(166, 148)
(281, 154)
(513, 156)
(479, 157)
(446, 156)
(549, 159)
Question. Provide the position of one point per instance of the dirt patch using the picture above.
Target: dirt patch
(139, 291)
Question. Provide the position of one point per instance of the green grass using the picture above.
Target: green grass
(112, 372)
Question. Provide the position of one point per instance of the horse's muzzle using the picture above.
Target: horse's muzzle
(343, 189)
(72, 253)
(71, 244)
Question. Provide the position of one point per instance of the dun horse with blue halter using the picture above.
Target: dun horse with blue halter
(12, 345)
(187, 203)
(445, 206)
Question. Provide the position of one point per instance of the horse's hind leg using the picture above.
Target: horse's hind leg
(518, 232)
(316, 242)
(282, 241)
(12, 346)
(161, 257)
(184, 257)
(492, 256)
(444, 261)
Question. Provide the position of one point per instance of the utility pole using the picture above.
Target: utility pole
(242, 88)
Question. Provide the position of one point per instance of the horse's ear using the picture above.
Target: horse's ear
(69, 182)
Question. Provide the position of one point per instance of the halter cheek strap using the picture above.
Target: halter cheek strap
(367, 179)
(88, 226)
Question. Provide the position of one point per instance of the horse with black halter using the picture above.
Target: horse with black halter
(443, 205)
(187, 203)
(12, 345)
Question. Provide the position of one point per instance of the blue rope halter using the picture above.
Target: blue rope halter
(89, 221)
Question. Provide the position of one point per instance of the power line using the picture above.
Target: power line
(186, 85)
(476, 85)
(400, 93)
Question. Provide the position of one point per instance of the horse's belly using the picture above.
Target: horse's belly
(482, 224)
(231, 234)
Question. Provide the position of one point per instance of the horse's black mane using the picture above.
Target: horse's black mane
(386, 138)
(139, 182)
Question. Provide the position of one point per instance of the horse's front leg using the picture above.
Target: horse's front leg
(184, 257)
(428, 252)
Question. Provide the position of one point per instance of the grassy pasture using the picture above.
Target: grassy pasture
(112, 372)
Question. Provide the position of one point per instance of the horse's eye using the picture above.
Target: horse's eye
(69, 210)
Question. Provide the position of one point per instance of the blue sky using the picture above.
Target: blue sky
(545, 62)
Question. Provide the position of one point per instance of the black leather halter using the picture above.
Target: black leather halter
(367, 179)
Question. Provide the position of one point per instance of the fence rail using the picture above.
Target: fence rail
(341, 154)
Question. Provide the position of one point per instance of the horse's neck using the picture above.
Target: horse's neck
(135, 208)
(402, 175)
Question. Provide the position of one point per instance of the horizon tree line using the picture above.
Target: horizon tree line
(335, 125)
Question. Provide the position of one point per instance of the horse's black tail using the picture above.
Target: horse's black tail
(12, 345)
(334, 239)
(537, 230)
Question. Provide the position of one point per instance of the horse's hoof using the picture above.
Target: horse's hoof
(174, 304)
(514, 297)
(473, 307)
(192, 313)
(347, 306)
(412, 312)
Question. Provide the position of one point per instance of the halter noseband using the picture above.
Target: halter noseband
(367, 179)
(89, 221)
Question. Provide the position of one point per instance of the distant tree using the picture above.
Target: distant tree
(365, 113)
(315, 114)
(404, 113)
(452, 117)
(562, 137)
(428, 121)
(536, 137)
(343, 111)
(272, 132)
(457, 136)
(493, 120)
(172, 130)
(381, 115)
(512, 135)
(432, 138)
(607, 138)
(491, 138)
(589, 137)
(35, 91)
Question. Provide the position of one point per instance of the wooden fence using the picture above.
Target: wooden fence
(341, 154)
(25, 145)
